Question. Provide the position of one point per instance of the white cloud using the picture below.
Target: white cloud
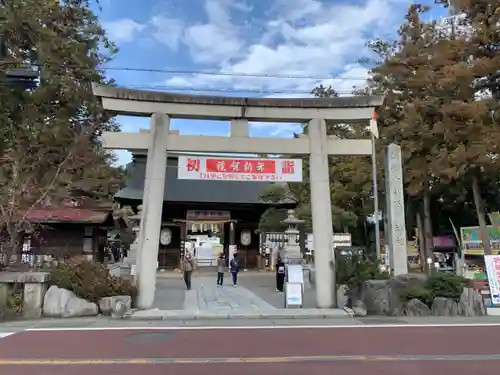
(123, 30)
(218, 39)
(167, 31)
(308, 38)
(302, 37)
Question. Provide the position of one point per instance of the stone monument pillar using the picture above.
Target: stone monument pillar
(291, 250)
(396, 223)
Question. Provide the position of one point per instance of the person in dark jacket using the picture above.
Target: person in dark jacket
(221, 265)
(234, 267)
(187, 266)
(280, 275)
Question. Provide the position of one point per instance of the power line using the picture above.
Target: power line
(229, 90)
(197, 72)
(233, 74)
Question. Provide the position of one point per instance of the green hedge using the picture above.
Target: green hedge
(91, 281)
(354, 269)
(437, 285)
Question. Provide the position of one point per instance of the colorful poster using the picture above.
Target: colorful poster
(472, 243)
(492, 263)
(239, 169)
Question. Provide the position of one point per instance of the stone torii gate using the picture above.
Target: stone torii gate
(161, 107)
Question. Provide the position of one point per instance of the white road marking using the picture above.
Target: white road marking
(6, 334)
(208, 328)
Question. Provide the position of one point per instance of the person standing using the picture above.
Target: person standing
(234, 267)
(187, 268)
(221, 265)
(280, 274)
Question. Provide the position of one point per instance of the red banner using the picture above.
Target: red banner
(240, 166)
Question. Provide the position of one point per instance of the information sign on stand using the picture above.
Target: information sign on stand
(294, 290)
(293, 295)
(492, 263)
(295, 274)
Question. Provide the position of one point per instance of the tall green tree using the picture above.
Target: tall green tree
(469, 76)
(49, 136)
(405, 74)
(350, 185)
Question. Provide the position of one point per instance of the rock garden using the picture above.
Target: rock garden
(78, 288)
(86, 288)
(371, 292)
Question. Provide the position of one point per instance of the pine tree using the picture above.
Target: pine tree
(49, 135)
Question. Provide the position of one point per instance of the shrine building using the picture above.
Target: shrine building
(213, 203)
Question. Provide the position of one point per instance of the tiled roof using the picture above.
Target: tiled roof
(67, 215)
(194, 191)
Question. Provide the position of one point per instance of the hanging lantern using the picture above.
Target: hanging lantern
(246, 237)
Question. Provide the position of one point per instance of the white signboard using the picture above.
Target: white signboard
(339, 239)
(492, 263)
(293, 294)
(239, 169)
(295, 274)
(205, 256)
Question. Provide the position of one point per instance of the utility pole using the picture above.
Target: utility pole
(376, 210)
(375, 198)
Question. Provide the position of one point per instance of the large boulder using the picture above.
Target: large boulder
(359, 308)
(471, 303)
(416, 307)
(115, 306)
(444, 307)
(62, 303)
(383, 297)
(342, 299)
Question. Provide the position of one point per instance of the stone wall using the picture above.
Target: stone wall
(383, 297)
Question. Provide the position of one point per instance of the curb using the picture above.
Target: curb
(176, 316)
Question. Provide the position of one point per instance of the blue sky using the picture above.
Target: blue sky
(307, 38)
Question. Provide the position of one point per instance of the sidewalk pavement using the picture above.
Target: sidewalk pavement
(207, 301)
(207, 271)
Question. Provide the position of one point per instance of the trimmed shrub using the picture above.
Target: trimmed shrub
(90, 281)
(419, 293)
(437, 285)
(353, 270)
(446, 285)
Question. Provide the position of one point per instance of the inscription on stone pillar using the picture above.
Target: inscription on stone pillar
(396, 225)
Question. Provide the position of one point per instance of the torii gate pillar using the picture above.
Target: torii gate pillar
(321, 210)
(152, 207)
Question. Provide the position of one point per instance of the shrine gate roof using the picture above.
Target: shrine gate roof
(195, 191)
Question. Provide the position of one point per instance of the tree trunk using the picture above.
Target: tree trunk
(421, 244)
(429, 244)
(478, 202)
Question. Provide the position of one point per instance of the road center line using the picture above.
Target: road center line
(244, 360)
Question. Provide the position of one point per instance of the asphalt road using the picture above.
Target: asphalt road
(232, 351)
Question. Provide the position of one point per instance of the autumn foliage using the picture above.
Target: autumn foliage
(49, 136)
(441, 82)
